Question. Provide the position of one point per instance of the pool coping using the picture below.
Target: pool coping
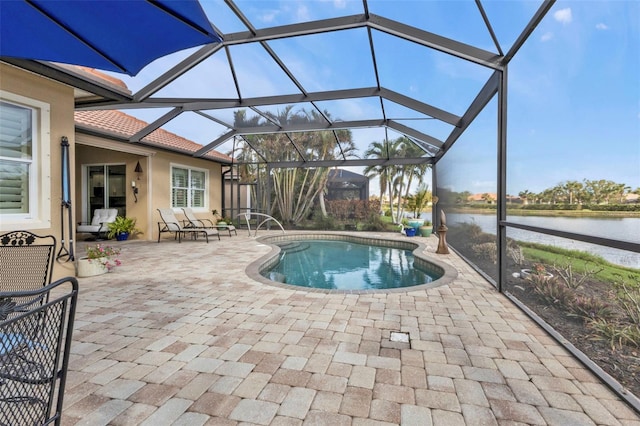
(418, 249)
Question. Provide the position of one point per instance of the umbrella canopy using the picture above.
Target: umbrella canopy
(121, 36)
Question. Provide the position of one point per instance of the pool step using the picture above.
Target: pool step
(277, 277)
(293, 246)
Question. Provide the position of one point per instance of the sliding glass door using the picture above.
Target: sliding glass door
(106, 185)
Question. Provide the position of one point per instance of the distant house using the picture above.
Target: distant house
(631, 198)
(346, 185)
(485, 197)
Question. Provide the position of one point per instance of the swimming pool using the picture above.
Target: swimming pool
(347, 263)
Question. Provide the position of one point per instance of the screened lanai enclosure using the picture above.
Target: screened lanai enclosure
(457, 94)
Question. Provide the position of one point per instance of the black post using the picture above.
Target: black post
(66, 202)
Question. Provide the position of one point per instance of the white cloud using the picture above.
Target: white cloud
(268, 16)
(563, 15)
(340, 4)
(546, 36)
(302, 14)
(601, 26)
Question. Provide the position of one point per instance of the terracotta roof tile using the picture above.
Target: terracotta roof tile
(102, 76)
(119, 123)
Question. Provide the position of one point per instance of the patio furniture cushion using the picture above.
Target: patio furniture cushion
(99, 223)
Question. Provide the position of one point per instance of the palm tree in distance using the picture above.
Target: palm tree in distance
(398, 179)
(378, 150)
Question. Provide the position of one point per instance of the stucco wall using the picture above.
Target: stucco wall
(154, 186)
(161, 185)
(87, 155)
(61, 102)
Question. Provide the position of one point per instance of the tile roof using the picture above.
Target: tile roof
(121, 124)
(100, 76)
(480, 197)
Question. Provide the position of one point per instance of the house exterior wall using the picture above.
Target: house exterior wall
(154, 186)
(160, 187)
(60, 100)
(89, 155)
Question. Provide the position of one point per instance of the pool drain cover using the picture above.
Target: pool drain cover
(397, 336)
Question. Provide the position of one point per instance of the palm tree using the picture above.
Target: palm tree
(408, 149)
(295, 189)
(572, 187)
(419, 200)
(383, 151)
(377, 150)
(398, 179)
(525, 195)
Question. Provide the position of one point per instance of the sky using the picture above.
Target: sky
(573, 96)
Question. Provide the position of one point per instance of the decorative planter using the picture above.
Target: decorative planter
(411, 232)
(426, 231)
(122, 236)
(92, 267)
(415, 223)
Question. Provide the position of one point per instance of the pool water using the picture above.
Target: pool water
(345, 265)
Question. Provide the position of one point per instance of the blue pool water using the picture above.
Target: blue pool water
(345, 265)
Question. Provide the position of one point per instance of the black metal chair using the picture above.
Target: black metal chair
(26, 260)
(35, 342)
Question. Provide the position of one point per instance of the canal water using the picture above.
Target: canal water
(622, 229)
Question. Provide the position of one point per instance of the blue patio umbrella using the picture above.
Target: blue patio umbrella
(121, 36)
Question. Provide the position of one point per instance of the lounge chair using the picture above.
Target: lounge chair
(171, 224)
(99, 225)
(193, 222)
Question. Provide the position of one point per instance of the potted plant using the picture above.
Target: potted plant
(122, 228)
(426, 229)
(99, 259)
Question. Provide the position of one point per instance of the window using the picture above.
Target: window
(188, 187)
(24, 173)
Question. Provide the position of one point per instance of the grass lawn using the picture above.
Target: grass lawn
(580, 262)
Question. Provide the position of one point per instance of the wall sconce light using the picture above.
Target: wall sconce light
(135, 190)
(138, 170)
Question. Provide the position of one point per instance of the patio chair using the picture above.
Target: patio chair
(99, 226)
(35, 340)
(171, 224)
(26, 260)
(194, 222)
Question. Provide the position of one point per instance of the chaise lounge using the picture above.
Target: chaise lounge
(194, 222)
(171, 224)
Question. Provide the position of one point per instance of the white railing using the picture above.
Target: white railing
(248, 215)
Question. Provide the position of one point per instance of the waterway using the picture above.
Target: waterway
(622, 229)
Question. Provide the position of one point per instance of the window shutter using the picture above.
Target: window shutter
(15, 157)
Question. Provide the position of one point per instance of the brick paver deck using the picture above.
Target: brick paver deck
(181, 335)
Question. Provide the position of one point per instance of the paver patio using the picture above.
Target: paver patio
(181, 335)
